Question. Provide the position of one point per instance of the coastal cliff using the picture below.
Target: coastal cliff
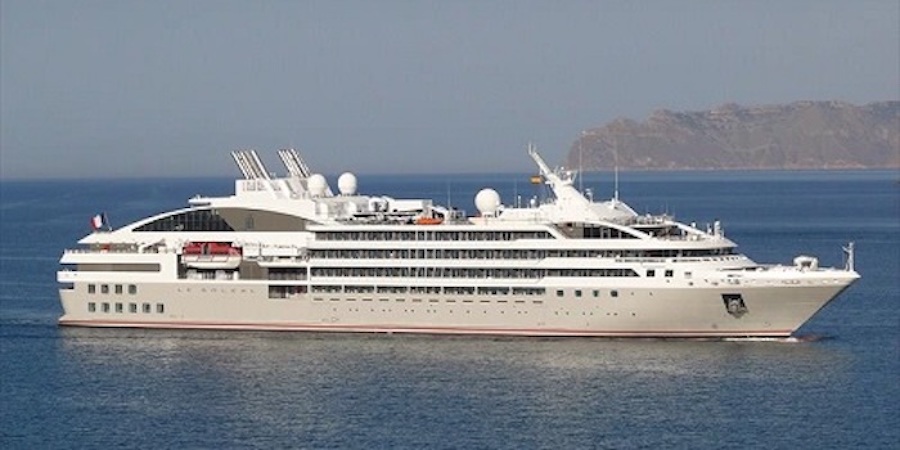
(800, 135)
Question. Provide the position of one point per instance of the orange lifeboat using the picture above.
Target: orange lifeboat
(209, 248)
(211, 255)
(429, 221)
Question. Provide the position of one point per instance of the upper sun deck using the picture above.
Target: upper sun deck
(303, 201)
(308, 195)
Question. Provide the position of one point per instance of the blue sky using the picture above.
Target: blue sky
(168, 88)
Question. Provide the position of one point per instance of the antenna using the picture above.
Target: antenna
(581, 163)
(448, 195)
(516, 191)
(616, 170)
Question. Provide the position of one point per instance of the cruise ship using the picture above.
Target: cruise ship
(288, 253)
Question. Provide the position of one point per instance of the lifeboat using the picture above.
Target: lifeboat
(211, 255)
(429, 221)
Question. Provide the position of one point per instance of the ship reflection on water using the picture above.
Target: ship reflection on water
(371, 390)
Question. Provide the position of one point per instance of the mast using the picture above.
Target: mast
(581, 163)
(616, 170)
(848, 251)
(560, 182)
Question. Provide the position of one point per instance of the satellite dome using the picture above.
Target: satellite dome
(487, 201)
(317, 185)
(347, 183)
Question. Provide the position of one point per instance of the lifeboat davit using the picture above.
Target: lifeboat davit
(211, 255)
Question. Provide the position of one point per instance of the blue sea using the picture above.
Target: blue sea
(836, 388)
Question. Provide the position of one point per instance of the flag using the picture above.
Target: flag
(98, 221)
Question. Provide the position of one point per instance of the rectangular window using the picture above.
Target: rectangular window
(92, 307)
(119, 308)
(160, 308)
(135, 267)
(578, 292)
(669, 273)
(118, 289)
(146, 307)
(596, 293)
(92, 289)
(132, 307)
(132, 289)
(105, 307)
(104, 289)
(613, 293)
(651, 273)
(559, 293)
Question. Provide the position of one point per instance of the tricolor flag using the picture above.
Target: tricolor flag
(99, 221)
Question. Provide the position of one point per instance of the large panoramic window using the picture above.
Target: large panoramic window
(195, 220)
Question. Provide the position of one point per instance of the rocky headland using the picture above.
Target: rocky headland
(799, 135)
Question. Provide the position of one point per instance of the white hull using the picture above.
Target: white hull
(640, 312)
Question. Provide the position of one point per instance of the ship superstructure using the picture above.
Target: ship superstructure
(290, 254)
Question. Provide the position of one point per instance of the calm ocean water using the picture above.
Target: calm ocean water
(840, 388)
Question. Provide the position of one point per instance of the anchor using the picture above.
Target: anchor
(734, 304)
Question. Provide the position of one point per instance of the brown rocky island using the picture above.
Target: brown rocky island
(800, 135)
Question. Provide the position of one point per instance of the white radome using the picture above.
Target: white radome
(317, 185)
(487, 201)
(347, 183)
